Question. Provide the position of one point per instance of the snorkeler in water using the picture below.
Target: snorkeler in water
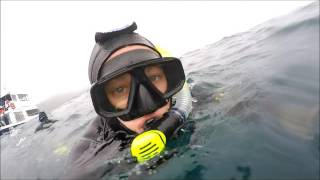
(45, 122)
(132, 87)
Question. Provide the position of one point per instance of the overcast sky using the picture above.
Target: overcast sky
(46, 46)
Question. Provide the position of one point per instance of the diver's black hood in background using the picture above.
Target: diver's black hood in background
(107, 43)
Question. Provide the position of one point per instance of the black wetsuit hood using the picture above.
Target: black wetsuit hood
(107, 43)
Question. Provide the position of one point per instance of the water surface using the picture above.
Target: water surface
(256, 107)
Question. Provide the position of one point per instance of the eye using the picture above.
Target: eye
(119, 90)
(155, 77)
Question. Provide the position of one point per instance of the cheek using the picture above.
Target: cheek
(163, 86)
(135, 125)
(162, 110)
(110, 99)
(119, 102)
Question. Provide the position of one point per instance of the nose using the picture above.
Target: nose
(147, 101)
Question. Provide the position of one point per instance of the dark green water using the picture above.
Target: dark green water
(256, 107)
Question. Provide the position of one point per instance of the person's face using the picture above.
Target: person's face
(117, 90)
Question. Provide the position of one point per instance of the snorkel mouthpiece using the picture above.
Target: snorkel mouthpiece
(152, 142)
(148, 145)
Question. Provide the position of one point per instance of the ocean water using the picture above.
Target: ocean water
(256, 112)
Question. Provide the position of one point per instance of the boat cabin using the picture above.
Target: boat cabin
(16, 109)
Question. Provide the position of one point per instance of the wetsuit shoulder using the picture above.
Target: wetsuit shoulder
(95, 129)
(88, 157)
(90, 137)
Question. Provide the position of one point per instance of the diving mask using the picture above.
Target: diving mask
(136, 83)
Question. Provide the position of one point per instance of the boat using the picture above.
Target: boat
(16, 109)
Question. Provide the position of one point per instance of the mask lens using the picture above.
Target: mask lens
(157, 77)
(166, 76)
(117, 91)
